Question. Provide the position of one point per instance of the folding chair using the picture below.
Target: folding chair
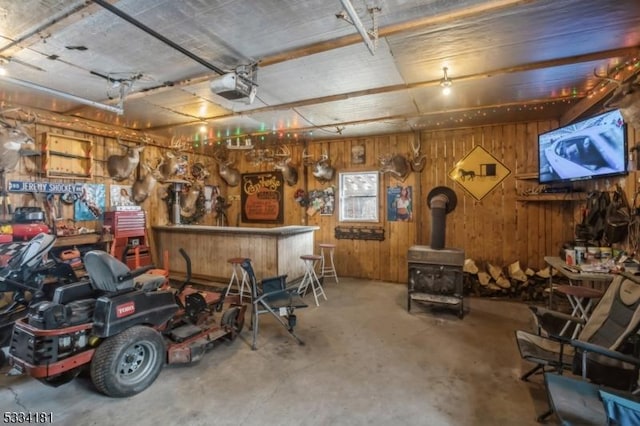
(274, 297)
(575, 401)
(611, 325)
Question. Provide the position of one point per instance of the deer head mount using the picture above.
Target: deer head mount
(626, 97)
(417, 161)
(173, 161)
(13, 138)
(226, 170)
(283, 164)
(120, 167)
(396, 165)
(194, 192)
(320, 169)
(143, 186)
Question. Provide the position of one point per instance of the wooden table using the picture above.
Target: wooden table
(273, 251)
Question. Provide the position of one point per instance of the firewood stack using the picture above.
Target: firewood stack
(510, 281)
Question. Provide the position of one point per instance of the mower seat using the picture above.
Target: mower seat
(110, 275)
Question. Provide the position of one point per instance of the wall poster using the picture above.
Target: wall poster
(262, 197)
(90, 205)
(120, 195)
(399, 203)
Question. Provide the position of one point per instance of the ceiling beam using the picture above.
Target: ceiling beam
(56, 23)
(631, 51)
(427, 21)
(596, 97)
(325, 46)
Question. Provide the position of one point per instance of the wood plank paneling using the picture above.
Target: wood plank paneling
(500, 228)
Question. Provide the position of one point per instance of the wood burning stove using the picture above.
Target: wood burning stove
(435, 277)
(435, 272)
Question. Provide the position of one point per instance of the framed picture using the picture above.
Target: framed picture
(322, 200)
(358, 194)
(262, 197)
(358, 154)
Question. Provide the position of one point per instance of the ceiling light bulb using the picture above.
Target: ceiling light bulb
(203, 128)
(446, 82)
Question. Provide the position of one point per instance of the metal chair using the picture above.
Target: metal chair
(614, 320)
(272, 296)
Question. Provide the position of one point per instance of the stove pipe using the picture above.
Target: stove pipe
(441, 200)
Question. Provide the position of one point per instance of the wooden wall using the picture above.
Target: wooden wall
(501, 228)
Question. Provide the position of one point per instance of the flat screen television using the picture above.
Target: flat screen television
(588, 149)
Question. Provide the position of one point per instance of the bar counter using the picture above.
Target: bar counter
(273, 251)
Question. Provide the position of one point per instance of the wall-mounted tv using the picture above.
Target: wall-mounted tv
(588, 149)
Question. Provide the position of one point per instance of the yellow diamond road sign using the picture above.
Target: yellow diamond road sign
(479, 172)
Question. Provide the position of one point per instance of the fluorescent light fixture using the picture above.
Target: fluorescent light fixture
(355, 20)
(64, 95)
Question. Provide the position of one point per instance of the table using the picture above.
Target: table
(576, 295)
(576, 292)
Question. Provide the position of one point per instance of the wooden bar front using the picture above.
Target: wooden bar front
(273, 251)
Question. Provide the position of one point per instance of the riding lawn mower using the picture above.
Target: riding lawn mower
(29, 276)
(121, 326)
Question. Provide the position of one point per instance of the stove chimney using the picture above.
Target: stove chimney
(441, 200)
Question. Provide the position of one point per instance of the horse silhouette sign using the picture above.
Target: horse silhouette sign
(479, 172)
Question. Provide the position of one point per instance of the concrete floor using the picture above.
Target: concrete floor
(366, 361)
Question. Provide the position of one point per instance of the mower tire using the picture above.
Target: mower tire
(129, 362)
(232, 317)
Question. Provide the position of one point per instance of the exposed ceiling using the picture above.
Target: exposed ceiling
(508, 61)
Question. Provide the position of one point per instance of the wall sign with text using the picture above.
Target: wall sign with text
(262, 197)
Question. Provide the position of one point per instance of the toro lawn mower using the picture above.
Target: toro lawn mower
(29, 277)
(121, 326)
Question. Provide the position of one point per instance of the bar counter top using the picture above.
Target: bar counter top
(280, 230)
(273, 251)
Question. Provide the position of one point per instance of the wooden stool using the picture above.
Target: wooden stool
(235, 277)
(327, 270)
(310, 277)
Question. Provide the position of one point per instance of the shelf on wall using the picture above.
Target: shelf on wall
(565, 196)
(66, 156)
(527, 176)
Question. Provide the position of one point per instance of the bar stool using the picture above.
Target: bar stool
(327, 270)
(237, 272)
(310, 277)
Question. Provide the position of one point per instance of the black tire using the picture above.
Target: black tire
(233, 319)
(129, 362)
(3, 358)
(5, 337)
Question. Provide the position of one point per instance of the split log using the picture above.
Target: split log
(544, 273)
(470, 266)
(484, 278)
(494, 271)
(502, 282)
(493, 287)
(516, 272)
